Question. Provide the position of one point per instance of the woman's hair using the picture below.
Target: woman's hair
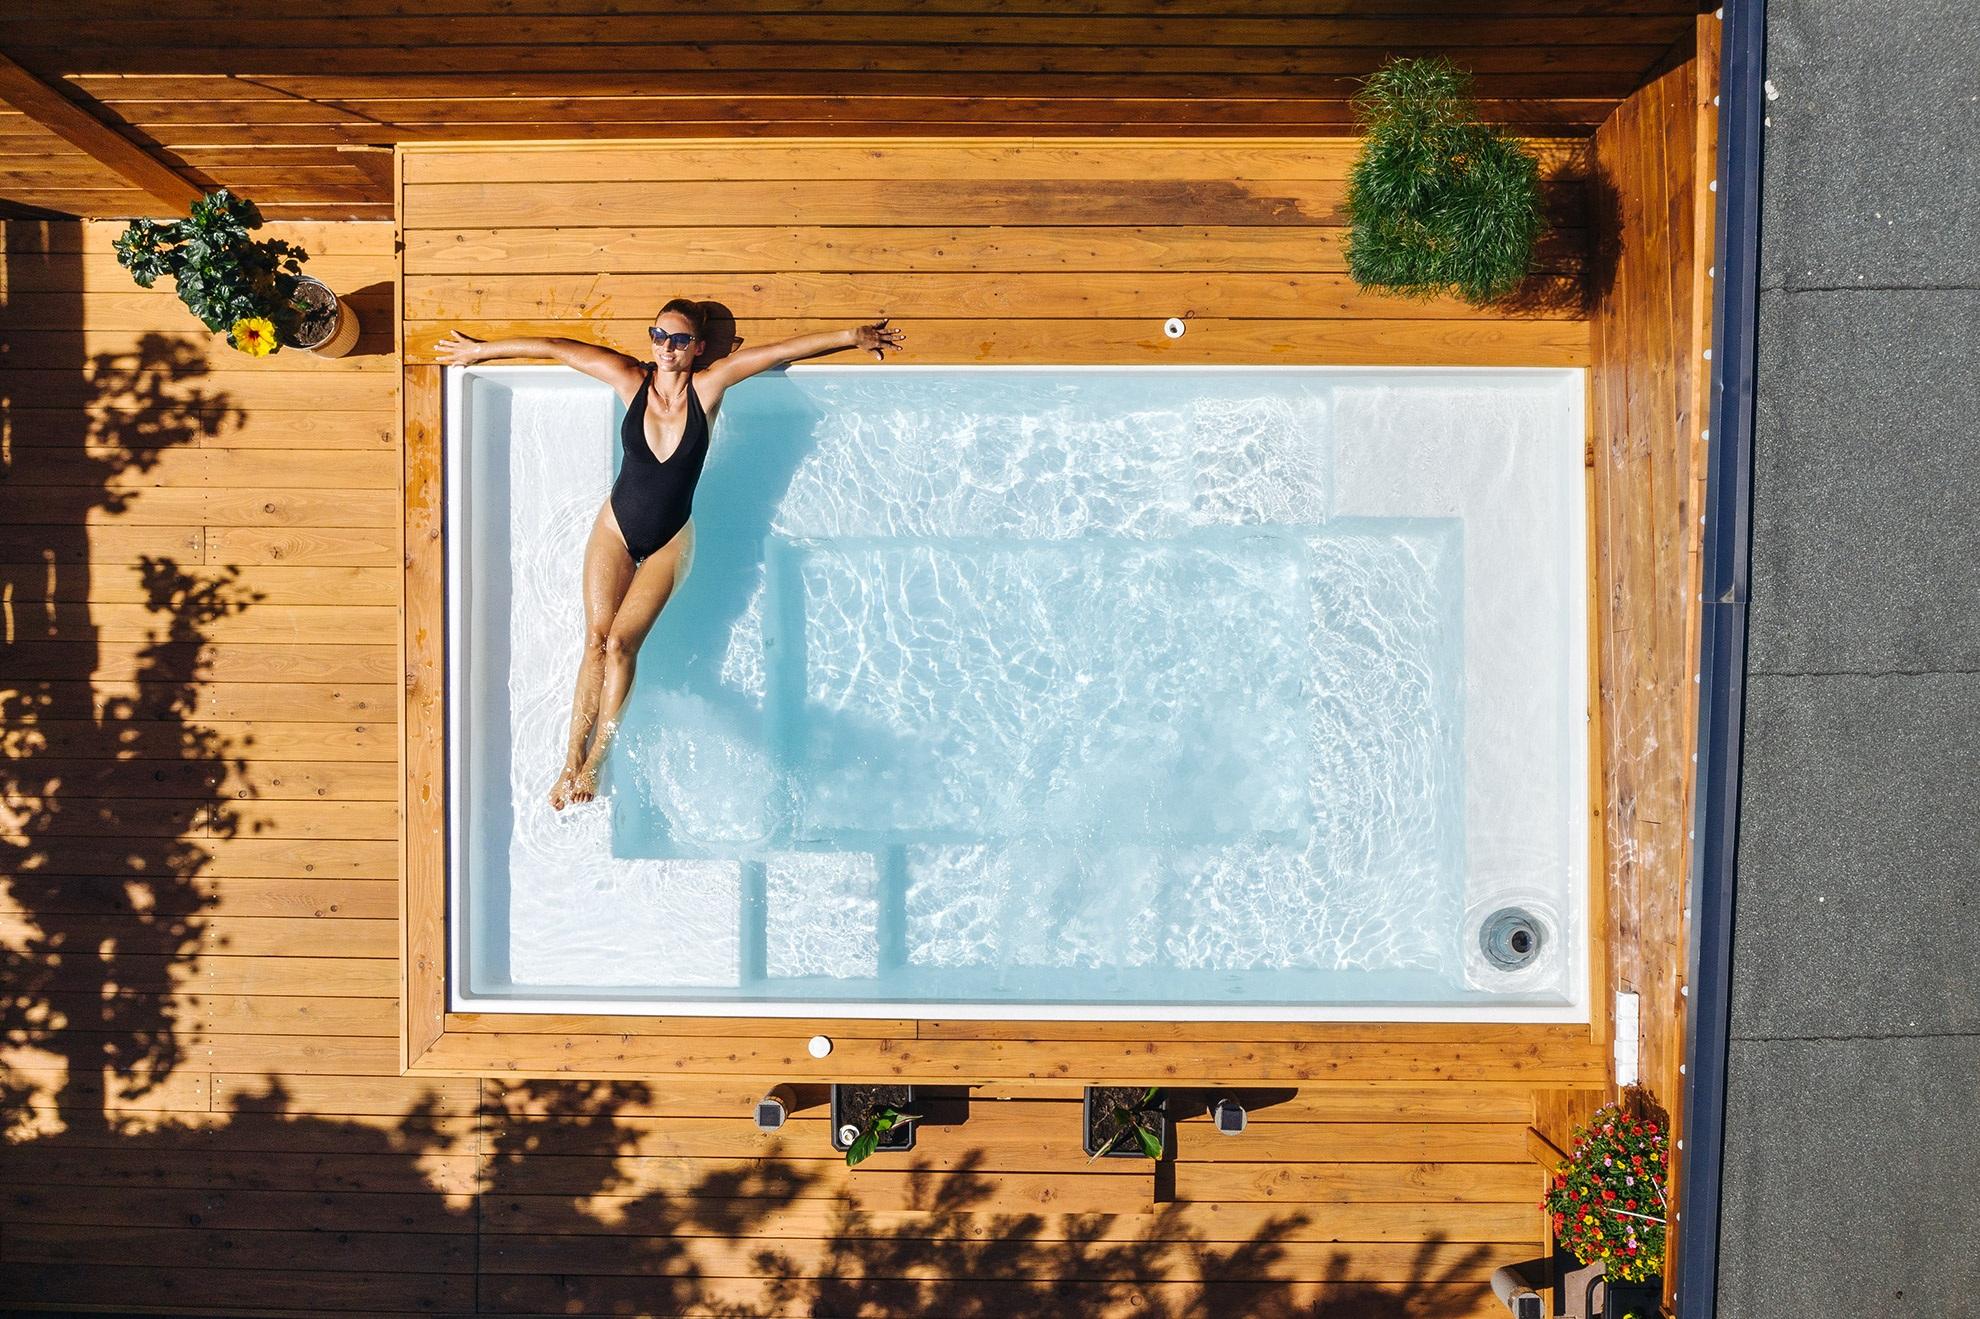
(688, 310)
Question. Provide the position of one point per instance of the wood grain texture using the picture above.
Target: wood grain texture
(1651, 331)
(293, 106)
(115, 156)
(215, 587)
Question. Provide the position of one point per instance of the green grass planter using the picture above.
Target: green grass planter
(1439, 202)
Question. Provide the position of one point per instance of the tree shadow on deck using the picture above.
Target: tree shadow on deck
(110, 787)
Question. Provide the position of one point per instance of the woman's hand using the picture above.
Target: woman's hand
(459, 349)
(877, 338)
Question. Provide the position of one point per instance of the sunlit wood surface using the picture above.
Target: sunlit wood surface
(203, 569)
(1656, 158)
(299, 104)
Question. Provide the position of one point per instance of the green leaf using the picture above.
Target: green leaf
(1151, 1144)
(1107, 1144)
(862, 1148)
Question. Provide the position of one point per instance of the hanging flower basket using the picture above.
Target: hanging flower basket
(1607, 1200)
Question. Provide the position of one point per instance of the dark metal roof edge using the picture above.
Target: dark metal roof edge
(1722, 658)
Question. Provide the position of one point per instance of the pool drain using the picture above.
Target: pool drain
(1510, 938)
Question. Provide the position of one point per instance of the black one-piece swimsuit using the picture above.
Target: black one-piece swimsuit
(652, 499)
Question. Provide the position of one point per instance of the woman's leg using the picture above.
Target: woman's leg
(652, 586)
(608, 572)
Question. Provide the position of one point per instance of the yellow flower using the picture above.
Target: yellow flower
(255, 336)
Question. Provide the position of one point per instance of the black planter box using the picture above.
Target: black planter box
(900, 1138)
(1126, 1149)
(1643, 1300)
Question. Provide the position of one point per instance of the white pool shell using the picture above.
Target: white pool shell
(459, 675)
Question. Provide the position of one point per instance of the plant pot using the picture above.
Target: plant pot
(1094, 1106)
(853, 1104)
(329, 327)
(1633, 1300)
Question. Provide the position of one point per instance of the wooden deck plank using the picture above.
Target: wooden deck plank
(719, 1096)
(328, 977)
(373, 740)
(244, 936)
(740, 249)
(1177, 160)
(1509, 1183)
(110, 391)
(369, 1162)
(332, 1094)
(561, 1294)
(831, 1256)
(249, 702)
(1321, 341)
(934, 1062)
(197, 507)
(302, 1211)
(92, 1247)
(1212, 1222)
(302, 1014)
(203, 421)
(207, 468)
(1046, 1132)
(310, 661)
(830, 296)
(115, 579)
(199, 1288)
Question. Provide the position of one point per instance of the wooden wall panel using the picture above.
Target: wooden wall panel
(291, 104)
(1652, 327)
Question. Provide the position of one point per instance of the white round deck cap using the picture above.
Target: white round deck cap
(1174, 327)
(820, 1046)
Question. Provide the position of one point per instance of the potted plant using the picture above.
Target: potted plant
(1607, 1203)
(252, 290)
(870, 1118)
(1125, 1122)
(1438, 201)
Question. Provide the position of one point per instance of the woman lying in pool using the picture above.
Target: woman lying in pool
(642, 541)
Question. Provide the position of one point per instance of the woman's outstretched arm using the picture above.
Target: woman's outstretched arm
(876, 338)
(605, 364)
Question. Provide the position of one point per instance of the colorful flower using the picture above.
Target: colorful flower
(1595, 1207)
(253, 335)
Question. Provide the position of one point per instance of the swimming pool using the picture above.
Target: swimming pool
(1241, 693)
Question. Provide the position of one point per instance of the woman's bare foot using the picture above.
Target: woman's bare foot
(561, 790)
(584, 784)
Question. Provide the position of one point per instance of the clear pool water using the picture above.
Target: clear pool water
(1013, 693)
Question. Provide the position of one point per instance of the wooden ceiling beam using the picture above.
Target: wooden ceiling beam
(83, 130)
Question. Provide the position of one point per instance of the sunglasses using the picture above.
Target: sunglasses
(660, 336)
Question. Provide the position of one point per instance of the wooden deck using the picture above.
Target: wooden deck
(203, 597)
(300, 107)
(967, 245)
